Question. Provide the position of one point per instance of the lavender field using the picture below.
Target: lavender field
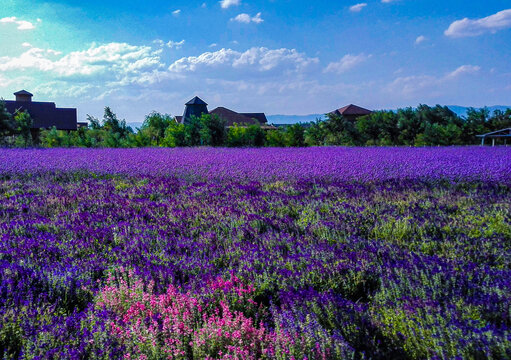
(319, 253)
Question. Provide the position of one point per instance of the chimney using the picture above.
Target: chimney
(23, 96)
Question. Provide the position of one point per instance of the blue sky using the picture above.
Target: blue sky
(276, 56)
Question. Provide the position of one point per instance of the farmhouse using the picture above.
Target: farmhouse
(44, 114)
(197, 107)
(350, 112)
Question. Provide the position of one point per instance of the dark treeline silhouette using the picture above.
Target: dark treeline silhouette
(422, 126)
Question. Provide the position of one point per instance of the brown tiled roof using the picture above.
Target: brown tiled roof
(261, 117)
(351, 110)
(232, 117)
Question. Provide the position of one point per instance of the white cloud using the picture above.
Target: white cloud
(176, 12)
(474, 27)
(358, 7)
(175, 44)
(116, 61)
(464, 69)
(247, 19)
(213, 45)
(433, 85)
(388, 1)
(346, 63)
(22, 24)
(420, 39)
(26, 44)
(228, 3)
(260, 59)
(133, 80)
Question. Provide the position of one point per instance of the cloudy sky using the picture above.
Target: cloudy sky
(276, 56)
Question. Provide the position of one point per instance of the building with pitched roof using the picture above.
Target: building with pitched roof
(197, 107)
(44, 114)
(350, 112)
(232, 117)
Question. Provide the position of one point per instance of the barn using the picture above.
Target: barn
(197, 107)
(44, 114)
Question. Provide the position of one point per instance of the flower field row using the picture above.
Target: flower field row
(253, 254)
(341, 164)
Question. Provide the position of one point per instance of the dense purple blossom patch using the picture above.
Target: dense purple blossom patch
(364, 164)
(321, 253)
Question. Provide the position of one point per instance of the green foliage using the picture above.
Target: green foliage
(295, 135)
(113, 125)
(423, 126)
(54, 138)
(315, 134)
(7, 125)
(379, 128)
(23, 125)
(275, 138)
(192, 132)
(336, 130)
(212, 130)
(436, 134)
(152, 132)
(11, 336)
(94, 123)
(175, 135)
(111, 133)
(238, 136)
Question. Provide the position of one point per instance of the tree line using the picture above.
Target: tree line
(421, 126)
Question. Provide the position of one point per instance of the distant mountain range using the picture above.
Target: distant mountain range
(294, 119)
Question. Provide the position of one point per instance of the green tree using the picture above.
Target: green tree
(255, 136)
(476, 123)
(409, 126)
(212, 130)
(115, 126)
(152, 131)
(500, 120)
(23, 128)
(378, 128)
(7, 124)
(315, 135)
(438, 134)
(175, 135)
(235, 136)
(295, 135)
(192, 132)
(239, 136)
(340, 131)
(276, 138)
(94, 123)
